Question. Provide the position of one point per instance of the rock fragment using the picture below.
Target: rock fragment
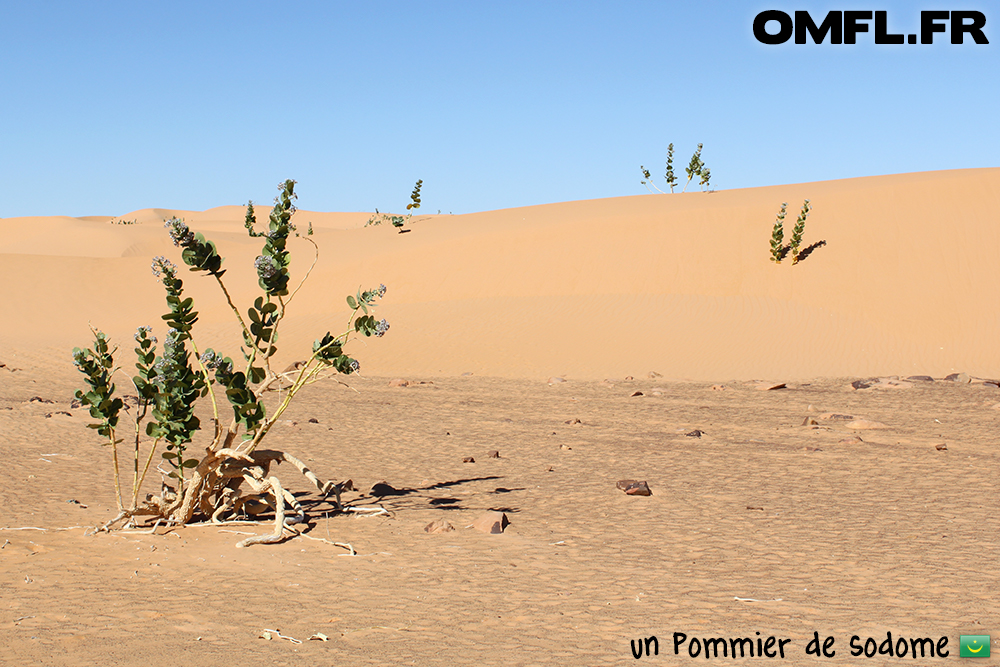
(770, 386)
(439, 526)
(634, 487)
(492, 523)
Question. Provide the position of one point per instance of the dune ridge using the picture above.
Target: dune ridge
(907, 283)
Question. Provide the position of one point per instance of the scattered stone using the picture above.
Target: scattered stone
(811, 408)
(921, 378)
(697, 433)
(653, 375)
(991, 383)
(892, 383)
(439, 526)
(835, 416)
(811, 449)
(399, 382)
(862, 424)
(58, 412)
(294, 366)
(861, 384)
(466, 374)
(494, 454)
(556, 380)
(719, 387)
(634, 487)
(383, 488)
(629, 378)
(468, 459)
(960, 378)
(75, 403)
(638, 393)
(853, 440)
(657, 392)
(941, 448)
(313, 420)
(573, 421)
(492, 523)
(566, 447)
(753, 507)
(39, 399)
(768, 386)
(810, 421)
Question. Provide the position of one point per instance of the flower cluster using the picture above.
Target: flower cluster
(265, 267)
(163, 267)
(381, 290)
(354, 365)
(381, 328)
(143, 332)
(180, 234)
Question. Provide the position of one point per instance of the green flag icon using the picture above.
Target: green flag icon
(974, 646)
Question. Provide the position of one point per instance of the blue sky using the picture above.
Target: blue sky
(113, 106)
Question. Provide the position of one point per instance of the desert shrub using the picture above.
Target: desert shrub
(209, 484)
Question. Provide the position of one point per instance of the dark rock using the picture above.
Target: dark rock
(313, 420)
(638, 393)
(697, 433)
(921, 378)
(861, 384)
(39, 399)
(495, 454)
(810, 421)
(941, 448)
(468, 459)
(573, 421)
(961, 378)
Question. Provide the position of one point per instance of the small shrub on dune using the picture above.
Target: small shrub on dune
(794, 247)
(217, 478)
(696, 167)
(778, 235)
(398, 221)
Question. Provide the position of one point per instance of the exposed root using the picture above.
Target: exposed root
(228, 484)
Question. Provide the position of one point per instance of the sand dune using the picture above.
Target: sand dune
(681, 284)
(817, 508)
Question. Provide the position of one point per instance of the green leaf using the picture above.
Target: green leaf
(352, 303)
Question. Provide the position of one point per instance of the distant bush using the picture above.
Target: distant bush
(696, 167)
(398, 220)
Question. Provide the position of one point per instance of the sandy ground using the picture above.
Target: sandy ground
(759, 520)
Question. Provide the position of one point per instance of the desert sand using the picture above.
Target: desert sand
(819, 506)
